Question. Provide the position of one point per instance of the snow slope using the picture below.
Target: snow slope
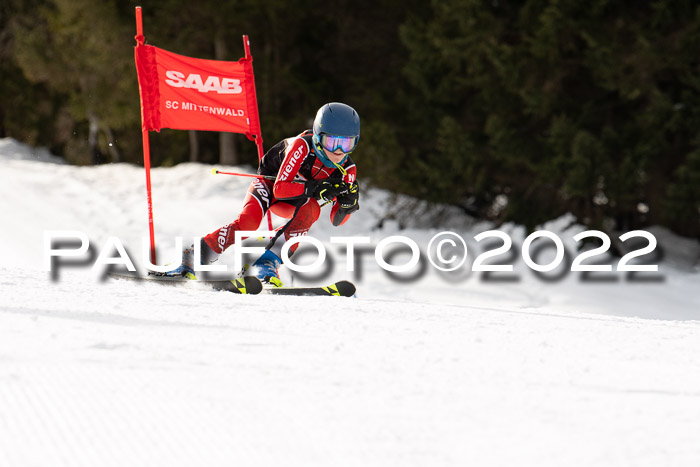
(520, 370)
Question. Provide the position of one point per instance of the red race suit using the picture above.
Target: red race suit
(293, 159)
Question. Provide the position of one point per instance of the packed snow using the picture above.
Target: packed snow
(427, 368)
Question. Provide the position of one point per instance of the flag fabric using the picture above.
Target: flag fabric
(187, 93)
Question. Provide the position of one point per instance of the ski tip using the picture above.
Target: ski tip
(253, 284)
(214, 171)
(249, 285)
(346, 288)
(341, 288)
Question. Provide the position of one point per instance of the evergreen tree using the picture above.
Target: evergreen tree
(517, 111)
(80, 49)
(559, 106)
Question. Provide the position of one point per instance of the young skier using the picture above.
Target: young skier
(314, 166)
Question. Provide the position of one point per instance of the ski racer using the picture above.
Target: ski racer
(312, 167)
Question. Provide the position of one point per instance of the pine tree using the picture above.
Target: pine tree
(80, 49)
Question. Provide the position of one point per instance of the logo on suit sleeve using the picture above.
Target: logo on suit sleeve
(289, 168)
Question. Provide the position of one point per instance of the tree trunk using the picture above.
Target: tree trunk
(227, 141)
(92, 138)
(3, 132)
(227, 149)
(194, 146)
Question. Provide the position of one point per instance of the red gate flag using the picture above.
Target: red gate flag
(187, 93)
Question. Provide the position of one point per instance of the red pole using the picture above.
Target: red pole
(149, 197)
(146, 148)
(258, 137)
(139, 26)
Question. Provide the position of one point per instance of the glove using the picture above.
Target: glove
(349, 202)
(326, 189)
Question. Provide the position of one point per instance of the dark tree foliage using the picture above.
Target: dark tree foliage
(532, 109)
(512, 110)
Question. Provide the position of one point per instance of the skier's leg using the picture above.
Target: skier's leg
(256, 204)
(299, 224)
(266, 268)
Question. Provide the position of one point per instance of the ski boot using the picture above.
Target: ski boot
(186, 267)
(265, 268)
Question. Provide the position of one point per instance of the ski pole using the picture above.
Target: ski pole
(216, 171)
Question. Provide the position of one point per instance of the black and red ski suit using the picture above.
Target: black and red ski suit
(291, 159)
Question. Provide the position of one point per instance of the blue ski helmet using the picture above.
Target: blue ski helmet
(339, 121)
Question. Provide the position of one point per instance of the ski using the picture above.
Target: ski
(248, 285)
(338, 289)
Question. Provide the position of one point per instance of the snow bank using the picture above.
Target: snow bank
(449, 369)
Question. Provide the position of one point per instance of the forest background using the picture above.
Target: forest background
(510, 110)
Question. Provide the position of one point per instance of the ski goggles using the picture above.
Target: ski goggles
(344, 143)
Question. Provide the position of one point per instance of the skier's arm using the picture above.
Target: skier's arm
(284, 187)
